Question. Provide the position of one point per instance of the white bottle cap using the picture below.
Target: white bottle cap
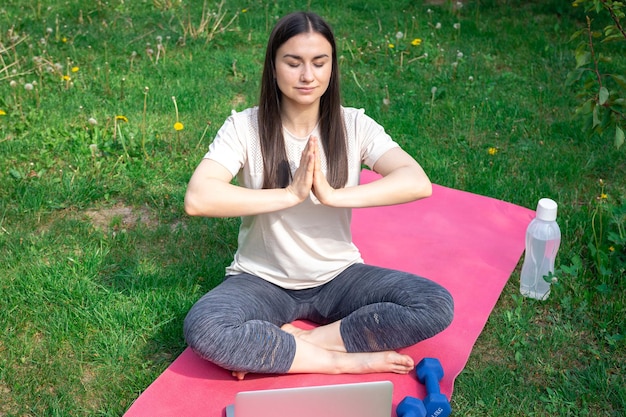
(546, 210)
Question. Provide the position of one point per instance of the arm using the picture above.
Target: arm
(211, 194)
(403, 180)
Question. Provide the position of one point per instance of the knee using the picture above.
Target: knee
(204, 332)
(441, 309)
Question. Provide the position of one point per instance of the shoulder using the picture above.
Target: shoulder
(357, 120)
(247, 116)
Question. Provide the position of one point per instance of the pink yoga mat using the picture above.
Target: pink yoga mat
(468, 243)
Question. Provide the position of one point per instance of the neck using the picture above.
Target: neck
(300, 121)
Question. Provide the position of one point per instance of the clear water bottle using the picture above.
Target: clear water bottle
(543, 238)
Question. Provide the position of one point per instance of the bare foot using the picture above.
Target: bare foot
(372, 362)
(327, 337)
(239, 374)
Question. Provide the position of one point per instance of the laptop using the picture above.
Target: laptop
(361, 399)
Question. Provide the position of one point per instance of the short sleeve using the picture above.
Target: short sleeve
(371, 137)
(229, 146)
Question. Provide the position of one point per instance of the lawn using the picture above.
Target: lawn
(107, 107)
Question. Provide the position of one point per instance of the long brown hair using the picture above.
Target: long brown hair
(276, 172)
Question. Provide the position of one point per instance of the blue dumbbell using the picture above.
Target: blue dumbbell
(411, 407)
(429, 372)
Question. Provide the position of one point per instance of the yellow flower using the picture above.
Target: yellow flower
(391, 45)
(122, 118)
(63, 39)
(603, 196)
(416, 42)
(611, 249)
(2, 112)
(492, 151)
(66, 78)
(75, 69)
(244, 10)
(178, 126)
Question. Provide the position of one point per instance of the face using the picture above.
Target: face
(303, 69)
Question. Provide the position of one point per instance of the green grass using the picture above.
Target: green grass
(99, 264)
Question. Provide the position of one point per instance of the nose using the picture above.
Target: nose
(307, 73)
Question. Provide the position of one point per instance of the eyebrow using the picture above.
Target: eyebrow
(300, 58)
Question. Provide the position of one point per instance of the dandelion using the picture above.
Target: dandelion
(492, 151)
(391, 46)
(178, 126)
(459, 55)
(121, 117)
(457, 26)
(433, 91)
(92, 121)
(29, 87)
(611, 248)
(399, 35)
(244, 10)
(603, 196)
(416, 42)
(66, 78)
(554, 280)
(64, 39)
(75, 69)
(438, 25)
(13, 83)
(49, 31)
(2, 112)
(470, 79)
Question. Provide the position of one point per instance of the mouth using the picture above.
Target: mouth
(305, 89)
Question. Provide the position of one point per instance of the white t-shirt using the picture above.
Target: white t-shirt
(309, 244)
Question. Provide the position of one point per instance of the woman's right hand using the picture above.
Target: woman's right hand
(302, 182)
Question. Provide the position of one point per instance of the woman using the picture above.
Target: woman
(297, 159)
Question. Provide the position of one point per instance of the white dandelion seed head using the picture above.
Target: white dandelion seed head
(399, 35)
(433, 91)
(49, 30)
(438, 25)
(457, 26)
(429, 11)
(13, 83)
(471, 79)
(29, 87)
(159, 39)
(459, 54)
(92, 121)
(455, 64)
(386, 101)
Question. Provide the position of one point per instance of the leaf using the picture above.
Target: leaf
(582, 58)
(586, 108)
(574, 76)
(604, 95)
(596, 117)
(15, 174)
(614, 37)
(619, 137)
(619, 79)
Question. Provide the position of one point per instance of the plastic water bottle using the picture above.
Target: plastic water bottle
(543, 238)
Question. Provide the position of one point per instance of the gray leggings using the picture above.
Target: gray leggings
(237, 324)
